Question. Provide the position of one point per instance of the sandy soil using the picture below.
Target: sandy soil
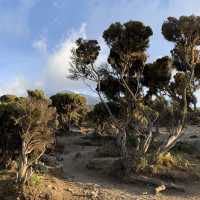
(76, 157)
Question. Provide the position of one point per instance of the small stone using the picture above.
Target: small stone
(160, 189)
(94, 194)
(54, 188)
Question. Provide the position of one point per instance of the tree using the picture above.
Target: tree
(121, 79)
(71, 109)
(185, 34)
(28, 129)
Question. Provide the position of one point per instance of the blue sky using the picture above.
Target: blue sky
(36, 36)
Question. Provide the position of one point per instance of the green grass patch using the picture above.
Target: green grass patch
(35, 179)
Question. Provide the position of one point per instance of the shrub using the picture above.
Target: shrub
(71, 109)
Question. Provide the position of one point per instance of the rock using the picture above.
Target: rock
(94, 193)
(77, 155)
(68, 177)
(159, 184)
(59, 157)
(41, 167)
(160, 189)
(45, 195)
(50, 160)
(59, 167)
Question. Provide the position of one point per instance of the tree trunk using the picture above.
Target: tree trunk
(171, 141)
(148, 141)
(178, 131)
(121, 142)
(22, 166)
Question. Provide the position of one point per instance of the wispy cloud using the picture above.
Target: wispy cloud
(17, 86)
(41, 45)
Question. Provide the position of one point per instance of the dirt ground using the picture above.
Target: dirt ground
(77, 155)
(75, 181)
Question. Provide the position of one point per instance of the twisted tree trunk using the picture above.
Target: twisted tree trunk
(22, 166)
(177, 132)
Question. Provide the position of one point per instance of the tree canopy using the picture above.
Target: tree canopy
(71, 108)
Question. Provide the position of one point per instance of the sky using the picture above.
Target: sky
(36, 36)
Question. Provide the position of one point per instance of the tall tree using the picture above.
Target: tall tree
(185, 34)
(120, 80)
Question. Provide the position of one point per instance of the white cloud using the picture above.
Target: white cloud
(40, 45)
(17, 86)
(56, 70)
(58, 61)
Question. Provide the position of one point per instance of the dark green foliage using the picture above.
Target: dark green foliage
(99, 112)
(132, 140)
(101, 118)
(157, 75)
(162, 106)
(36, 94)
(83, 58)
(177, 30)
(87, 51)
(197, 71)
(10, 142)
(127, 43)
(132, 36)
(28, 121)
(194, 117)
(185, 33)
(113, 91)
(182, 147)
(8, 98)
(71, 108)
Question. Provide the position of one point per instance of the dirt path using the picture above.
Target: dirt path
(76, 156)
